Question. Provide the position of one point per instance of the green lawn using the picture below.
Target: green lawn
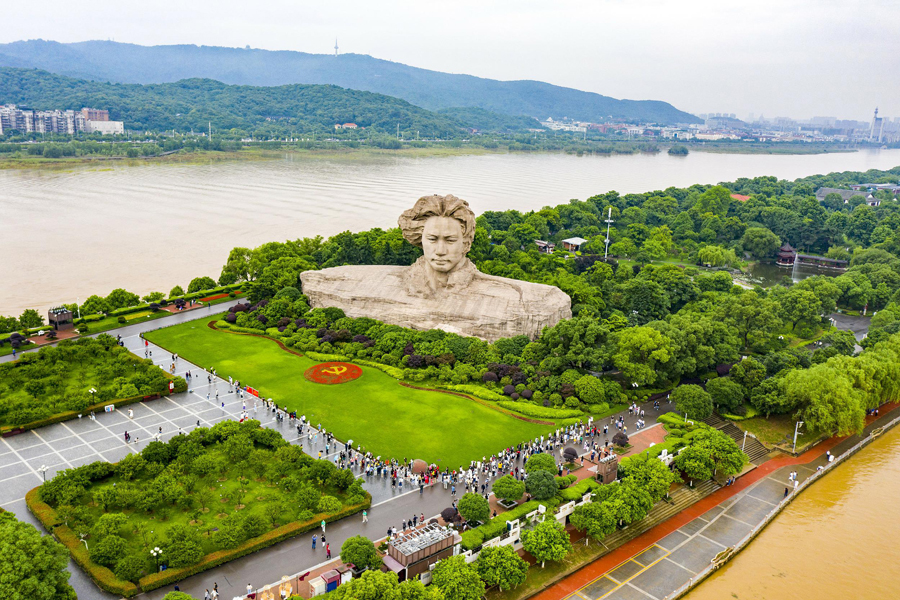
(374, 410)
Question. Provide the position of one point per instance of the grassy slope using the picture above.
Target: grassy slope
(387, 419)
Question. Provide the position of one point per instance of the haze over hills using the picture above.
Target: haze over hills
(433, 90)
(195, 103)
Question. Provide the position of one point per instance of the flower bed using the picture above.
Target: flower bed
(332, 373)
(219, 296)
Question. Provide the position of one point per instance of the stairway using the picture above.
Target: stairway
(680, 499)
(752, 447)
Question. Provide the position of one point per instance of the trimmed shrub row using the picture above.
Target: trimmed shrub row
(577, 491)
(540, 412)
(495, 527)
(392, 371)
(566, 480)
(481, 392)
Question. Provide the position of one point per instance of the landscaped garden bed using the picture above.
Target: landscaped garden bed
(55, 383)
(203, 499)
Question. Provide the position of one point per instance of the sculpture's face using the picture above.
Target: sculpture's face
(443, 243)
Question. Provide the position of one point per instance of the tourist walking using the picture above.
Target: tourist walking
(365, 517)
(314, 535)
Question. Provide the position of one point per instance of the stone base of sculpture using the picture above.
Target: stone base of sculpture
(472, 304)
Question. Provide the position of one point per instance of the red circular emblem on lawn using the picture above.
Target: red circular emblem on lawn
(333, 372)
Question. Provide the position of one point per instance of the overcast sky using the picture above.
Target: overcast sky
(798, 58)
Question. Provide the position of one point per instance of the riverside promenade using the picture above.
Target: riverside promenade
(657, 563)
(82, 441)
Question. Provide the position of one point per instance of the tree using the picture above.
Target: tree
(748, 373)
(648, 473)
(541, 485)
(182, 546)
(120, 298)
(94, 305)
(376, 585)
(760, 242)
(153, 297)
(540, 462)
(641, 351)
(501, 566)
(108, 550)
(360, 551)
(329, 505)
(547, 541)
(176, 292)
(692, 401)
(199, 284)
(725, 393)
(695, 462)
(473, 507)
(826, 398)
(751, 315)
(508, 488)
(457, 579)
(32, 566)
(799, 305)
(30, 318)
(595, 519)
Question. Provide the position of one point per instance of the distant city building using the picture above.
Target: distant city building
(68, 122)
(876, 133)
(563, 125)
(105, 127)
(95, 114)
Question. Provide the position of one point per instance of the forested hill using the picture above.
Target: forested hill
(193, 103)
(130, 63)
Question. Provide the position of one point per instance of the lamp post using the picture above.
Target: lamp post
(155, 553)
(796, 431)
(43, 470)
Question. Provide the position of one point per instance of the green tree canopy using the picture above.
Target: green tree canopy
(501, 566)
(457, 579)
(548, 540)
(693, 401)
(473, 507)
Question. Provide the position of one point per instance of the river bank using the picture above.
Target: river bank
(337, 151)
(674, 557)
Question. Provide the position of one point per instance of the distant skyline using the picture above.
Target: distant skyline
(793, 58)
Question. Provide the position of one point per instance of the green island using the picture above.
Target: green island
(203, 498)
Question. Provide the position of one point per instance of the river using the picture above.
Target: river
(838, 539)
(67, 234)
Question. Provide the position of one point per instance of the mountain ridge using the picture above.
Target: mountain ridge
(119, 62)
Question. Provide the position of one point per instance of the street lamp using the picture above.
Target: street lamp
(796, 431)
(155, 553)
(43, 470)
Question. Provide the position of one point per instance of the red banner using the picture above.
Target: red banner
(250, 390)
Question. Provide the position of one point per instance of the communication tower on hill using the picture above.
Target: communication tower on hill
(335, 47)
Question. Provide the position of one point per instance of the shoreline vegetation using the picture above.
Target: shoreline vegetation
(337, 151)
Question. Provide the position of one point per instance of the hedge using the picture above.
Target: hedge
(577, 491)
(214, 559)
(103, 577)
(107, 580)
(394, 372)
(327, 357)
(481, 392)
(566, 480)
(540, 412)
(496, 526)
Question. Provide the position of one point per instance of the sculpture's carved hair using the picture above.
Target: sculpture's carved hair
(412, 221)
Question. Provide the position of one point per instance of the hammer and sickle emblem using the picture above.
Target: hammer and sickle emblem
(335, 370)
